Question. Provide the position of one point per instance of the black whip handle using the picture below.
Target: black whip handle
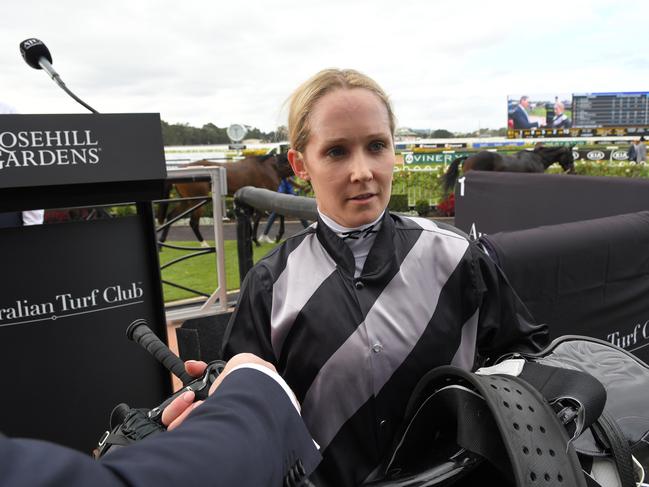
(140, 333)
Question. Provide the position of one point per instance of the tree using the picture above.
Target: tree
(214, 135)
(184, 134)
(279, 135)
(441, 134)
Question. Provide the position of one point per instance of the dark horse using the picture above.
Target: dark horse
(259, 171)
(537, 160)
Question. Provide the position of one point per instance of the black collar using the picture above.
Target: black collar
(358, 234)
(381, 253)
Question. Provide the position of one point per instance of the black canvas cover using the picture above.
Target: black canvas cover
(583, 278)
(488, 202)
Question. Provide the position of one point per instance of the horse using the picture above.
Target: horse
(260, 171)
(537, 160)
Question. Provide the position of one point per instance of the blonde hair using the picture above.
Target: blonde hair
(305, 97)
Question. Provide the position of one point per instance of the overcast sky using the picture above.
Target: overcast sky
(445, 63)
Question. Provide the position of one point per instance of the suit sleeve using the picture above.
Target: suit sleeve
(520, 121)
(247, 434)
(42, 464)
(504, 322)
(249, 327)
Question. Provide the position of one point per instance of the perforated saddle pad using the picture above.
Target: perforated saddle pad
(463, 428)
(466, 429)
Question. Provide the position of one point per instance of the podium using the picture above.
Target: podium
(69, 290)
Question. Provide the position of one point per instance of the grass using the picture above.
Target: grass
(200, 272)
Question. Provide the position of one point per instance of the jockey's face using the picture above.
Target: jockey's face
(349, 157)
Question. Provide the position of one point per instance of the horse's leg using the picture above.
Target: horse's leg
(163, 208)
(162, 215)
(269, 223)
(170, 215)
(165, 231)
(255, 226)
(194, 223)
(280, 233)
(163, 235)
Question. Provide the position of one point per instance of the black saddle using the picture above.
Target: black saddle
(568, 416)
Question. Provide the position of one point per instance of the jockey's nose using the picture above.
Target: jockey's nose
(360, 168)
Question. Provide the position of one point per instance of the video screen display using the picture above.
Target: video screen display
(595, 110)
(578, 114)
(535, 112)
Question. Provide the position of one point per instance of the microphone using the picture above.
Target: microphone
(37, 55)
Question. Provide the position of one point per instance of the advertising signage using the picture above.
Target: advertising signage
(64, 320)
(609, 114)
(69, 290)
(50, 150)
(431, 157)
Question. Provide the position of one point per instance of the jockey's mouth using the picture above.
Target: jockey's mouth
(362, 197)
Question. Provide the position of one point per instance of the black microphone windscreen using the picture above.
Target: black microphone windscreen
(34, 49)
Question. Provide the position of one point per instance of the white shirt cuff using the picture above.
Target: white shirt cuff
(273, 375)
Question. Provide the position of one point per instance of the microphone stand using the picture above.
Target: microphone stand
(49, 69)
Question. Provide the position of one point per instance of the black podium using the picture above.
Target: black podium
(69, 290)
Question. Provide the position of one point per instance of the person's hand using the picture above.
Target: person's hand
(176, 412)
(195, 368)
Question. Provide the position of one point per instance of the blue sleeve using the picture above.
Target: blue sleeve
(285, 186)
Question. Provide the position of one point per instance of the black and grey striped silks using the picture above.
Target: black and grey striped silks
(351, 348)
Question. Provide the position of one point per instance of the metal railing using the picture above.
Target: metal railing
(247, 199)
(217, 301)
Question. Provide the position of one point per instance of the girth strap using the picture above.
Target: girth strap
(608, 433)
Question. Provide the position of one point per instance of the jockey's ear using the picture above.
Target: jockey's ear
(296, 161)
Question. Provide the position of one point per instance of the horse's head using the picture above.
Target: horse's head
(284, 169)
(566, 160)
(562, 155)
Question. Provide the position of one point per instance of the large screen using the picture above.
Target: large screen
(595, 110)
(578, 114)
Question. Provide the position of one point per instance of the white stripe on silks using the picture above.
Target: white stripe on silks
(464, 358)
(307, 267)
(382, 342)
(427, 224)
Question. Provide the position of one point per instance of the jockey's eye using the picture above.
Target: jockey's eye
(377, 146)
(336, 152)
